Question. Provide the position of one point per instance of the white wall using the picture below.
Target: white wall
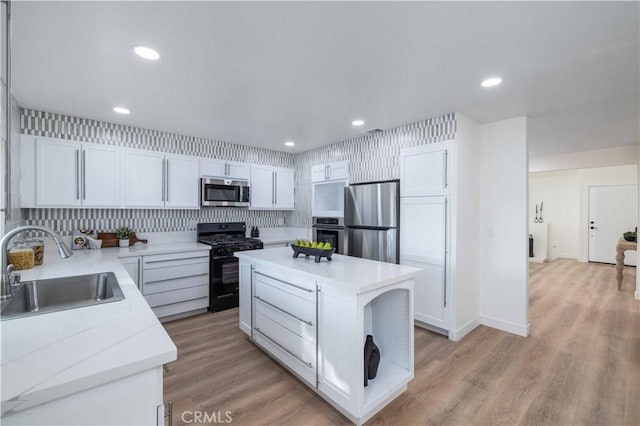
(503, 217)
(566, 205)
(617, 156)
(465, 267)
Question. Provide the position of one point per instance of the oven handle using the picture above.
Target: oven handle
(329, 228)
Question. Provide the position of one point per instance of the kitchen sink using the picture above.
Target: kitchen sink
(59, 294)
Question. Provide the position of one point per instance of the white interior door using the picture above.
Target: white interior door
(613, 210)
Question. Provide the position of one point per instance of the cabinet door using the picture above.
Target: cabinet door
(100, 169)
(182, 180)
(246, 277)
(338, 170)
(284, 196)
(213, 168)
(423, 244)
(425, 170)
(238, 170)
(57, 173)
(144, 179)
(319, 173)
(262, 187)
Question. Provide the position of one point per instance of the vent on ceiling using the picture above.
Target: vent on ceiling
(374, 131)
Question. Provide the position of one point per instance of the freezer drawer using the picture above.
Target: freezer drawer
(373, 244)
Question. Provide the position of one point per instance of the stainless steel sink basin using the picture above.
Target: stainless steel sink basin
(58, 294)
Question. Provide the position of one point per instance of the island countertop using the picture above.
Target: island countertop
(49, 356)
(352, 273)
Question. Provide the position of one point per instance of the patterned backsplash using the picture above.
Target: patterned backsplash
(60, 126)
(371, 158)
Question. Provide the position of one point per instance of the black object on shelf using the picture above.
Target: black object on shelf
(371, 360)
(316, 252)
(531, 245)
(255, 232)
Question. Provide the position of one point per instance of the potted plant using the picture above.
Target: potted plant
(123, 233)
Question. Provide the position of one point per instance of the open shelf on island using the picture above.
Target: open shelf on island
(387, 319)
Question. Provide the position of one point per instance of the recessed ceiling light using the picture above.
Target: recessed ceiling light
(290, 143)
(490, 82)
(357, 122)
(146, 53)
(121, 110)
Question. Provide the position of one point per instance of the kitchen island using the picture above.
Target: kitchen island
(100, 364)
(313, 318)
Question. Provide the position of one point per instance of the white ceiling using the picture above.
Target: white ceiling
(263, 73)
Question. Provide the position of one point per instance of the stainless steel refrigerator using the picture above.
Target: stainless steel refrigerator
(371, 219)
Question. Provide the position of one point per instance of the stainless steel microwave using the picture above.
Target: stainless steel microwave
(224, 192)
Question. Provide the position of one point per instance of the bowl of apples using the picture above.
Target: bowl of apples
(312, 248)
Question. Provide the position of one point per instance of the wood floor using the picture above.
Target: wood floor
(581, 365)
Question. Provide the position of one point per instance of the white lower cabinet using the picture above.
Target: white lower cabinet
(133, 265)
(176, 283)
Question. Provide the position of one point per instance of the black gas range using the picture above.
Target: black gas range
(224, 274)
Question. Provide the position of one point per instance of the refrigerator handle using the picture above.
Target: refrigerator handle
(446, 252)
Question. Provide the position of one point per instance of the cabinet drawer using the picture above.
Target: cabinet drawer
(175, 259)
(289, 348)
(151, 287)
(302, 328)
(168, 297)
(303, 289)
(285, 298)
(172, 272)
(178, 308)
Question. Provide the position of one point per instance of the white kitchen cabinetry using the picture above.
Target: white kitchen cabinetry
(338, 170)
(155, 179)
(272, 188)
(224, 169)
(176, 283)
(424, 244)
(133, 265)
(425, 185)
(62, 173)
(425, 170)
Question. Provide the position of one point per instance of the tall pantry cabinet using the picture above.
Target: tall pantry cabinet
(425, 217)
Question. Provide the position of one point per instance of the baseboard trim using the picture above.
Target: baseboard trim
(637, 295)
(468, 327)
(509, 327)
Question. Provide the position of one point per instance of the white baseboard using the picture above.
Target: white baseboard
(637, 295)
(509, 327)
(538, 259)
(456, 335)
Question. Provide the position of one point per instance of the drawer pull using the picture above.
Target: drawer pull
(283, 311)
(179, 258)
(308, 364)
(176, 278)
(284, 282)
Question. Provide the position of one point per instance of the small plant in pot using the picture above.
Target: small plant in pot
(123, 233)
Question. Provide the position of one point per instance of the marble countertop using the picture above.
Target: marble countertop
(351, 273)
(45, 357)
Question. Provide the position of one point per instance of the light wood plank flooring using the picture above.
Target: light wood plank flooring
(581, 365)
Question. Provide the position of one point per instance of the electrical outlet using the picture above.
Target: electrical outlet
(193, 225)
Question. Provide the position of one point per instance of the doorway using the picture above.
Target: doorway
(613, 210)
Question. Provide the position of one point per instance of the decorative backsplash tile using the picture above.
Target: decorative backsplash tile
(52, 125)
(371, 157)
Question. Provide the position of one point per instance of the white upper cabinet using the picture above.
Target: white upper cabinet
(224, 169)
(272, 188)
(182, 178)
(426, 170)
(61, 173)
(144, 178)
(155, 179)
(100, 175)
(338, 170)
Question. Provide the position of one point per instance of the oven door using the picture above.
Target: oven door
(334, 236)
(224, 283)
(224, 192)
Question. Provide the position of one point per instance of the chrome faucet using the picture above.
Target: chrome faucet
(6, 268)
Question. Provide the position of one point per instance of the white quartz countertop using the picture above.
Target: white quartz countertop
(45, 357)
(351, 273)
(282, 235)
